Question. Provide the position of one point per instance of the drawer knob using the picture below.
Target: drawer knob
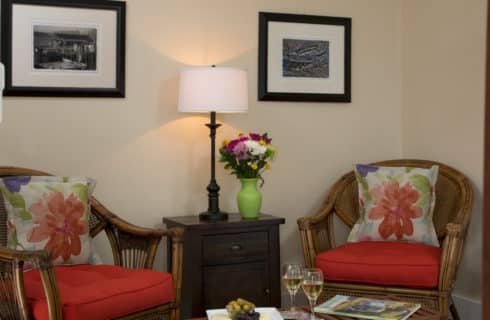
(236, 247)
(267, 291)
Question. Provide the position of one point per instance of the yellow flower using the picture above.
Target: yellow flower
(224, 143)
(267, 166)
(253, 166)
(240, 133)
(262, 143)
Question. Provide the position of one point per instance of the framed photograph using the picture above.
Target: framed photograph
(304, 58)
(70, 48)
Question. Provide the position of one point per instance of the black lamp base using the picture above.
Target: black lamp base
(213, 213)
(213, 216)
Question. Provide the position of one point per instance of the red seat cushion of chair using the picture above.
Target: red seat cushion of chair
(100, 291)
(382, 263)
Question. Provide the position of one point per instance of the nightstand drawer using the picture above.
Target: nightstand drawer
(235, 248)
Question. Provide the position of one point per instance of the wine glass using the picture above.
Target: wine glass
(292, 277)
(312, 286)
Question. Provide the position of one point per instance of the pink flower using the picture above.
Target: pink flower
(396, 206)
(59, 221)
(241, 151)
(232, 144)
(255, 136)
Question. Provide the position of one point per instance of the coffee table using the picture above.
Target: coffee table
(421, 314)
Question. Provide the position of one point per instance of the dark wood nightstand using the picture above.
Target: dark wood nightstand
(225, 260)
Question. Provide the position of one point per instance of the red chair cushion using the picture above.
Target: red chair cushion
(100, 291)
(382, 263)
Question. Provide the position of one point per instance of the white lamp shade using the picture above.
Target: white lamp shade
(219, 89)
(2, 85)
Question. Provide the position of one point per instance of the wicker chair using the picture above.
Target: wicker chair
(133, 247)
(451, 217)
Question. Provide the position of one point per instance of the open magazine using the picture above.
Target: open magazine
(367, 308)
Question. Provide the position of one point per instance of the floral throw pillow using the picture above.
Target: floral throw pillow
(49, 213)
(396, 204)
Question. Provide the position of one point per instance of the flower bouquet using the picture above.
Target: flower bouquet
(247, 157)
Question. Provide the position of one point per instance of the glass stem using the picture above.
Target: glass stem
(312, 308)
(292, 294)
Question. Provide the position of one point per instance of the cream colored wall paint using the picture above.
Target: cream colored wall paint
(443, 56)
(150, 161)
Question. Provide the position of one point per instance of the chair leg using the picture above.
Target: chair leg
(453, 310)
(175, 314)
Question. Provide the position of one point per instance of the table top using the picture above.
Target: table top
(421, 314)
(193, 222)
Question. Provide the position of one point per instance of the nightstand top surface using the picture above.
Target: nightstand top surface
(193, 222)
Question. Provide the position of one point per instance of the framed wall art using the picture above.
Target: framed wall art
(304, 58)
(73, 48)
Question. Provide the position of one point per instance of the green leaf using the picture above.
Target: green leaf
(367, 196)
(56, 188)
(16, 200)
(65, 179)
(25, 215)
(421, 183)
(424, 201)
(12, 243)
(81, 191)
(408, 169)
(363, 182)
(270, 152)
(399, 177)
(5, 192)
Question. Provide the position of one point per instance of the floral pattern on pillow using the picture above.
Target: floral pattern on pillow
(49, 213)
(395, 204)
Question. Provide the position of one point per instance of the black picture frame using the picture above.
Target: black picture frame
(263, 91)
(118, 91)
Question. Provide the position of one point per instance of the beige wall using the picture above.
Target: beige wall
(443, 56)
(150, 161)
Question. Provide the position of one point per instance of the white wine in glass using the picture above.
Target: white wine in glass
(292, 277)
(292, 283)
(312, 286)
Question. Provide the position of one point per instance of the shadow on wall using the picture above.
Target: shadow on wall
(149, 125)
(470, 269)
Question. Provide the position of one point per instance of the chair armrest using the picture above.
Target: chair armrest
(132, 246)
(110, 218)
(452, 251)
(12, 292)
(136, 246)
(316, 232)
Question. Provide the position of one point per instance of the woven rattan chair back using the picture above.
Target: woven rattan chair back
(453, 195)
(96, 224)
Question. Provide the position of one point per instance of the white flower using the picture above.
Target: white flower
(255, 148)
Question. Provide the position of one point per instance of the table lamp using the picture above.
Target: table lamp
(215, 90)
(2, 85)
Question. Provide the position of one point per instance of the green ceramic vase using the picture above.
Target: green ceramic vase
(249, 199)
